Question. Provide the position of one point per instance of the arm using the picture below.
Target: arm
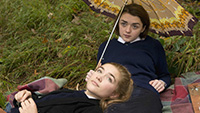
(162, 67)
(163, 80)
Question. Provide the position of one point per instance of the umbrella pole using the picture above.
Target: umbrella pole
(99, 63)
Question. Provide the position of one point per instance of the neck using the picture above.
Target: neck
(91, 94)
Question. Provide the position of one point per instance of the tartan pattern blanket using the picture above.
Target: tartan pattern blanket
(176, 98)
(40, 87)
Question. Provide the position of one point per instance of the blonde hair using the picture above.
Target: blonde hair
(124, 88)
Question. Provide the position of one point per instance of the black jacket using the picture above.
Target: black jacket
(66, 105)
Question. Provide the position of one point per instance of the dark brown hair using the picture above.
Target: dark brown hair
(139, 11)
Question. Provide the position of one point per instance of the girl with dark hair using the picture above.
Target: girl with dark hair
(143, 56)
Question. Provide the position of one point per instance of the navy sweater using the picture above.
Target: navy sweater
(65, 101)
(145, 59)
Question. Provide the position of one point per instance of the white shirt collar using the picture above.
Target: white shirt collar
(90, 97)
(122, 41)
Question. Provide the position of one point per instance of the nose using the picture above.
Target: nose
(128, 29)
(99, 78)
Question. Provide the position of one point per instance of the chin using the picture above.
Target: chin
(92, 88)
(126, 40)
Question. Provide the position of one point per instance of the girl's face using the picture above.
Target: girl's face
(130, 27)
(103, 82)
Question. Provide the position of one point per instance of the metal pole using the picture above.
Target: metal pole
(111, 33)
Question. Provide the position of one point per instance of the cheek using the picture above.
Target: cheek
(109, 88)
(120, 31)
(136, 33)
(88, 85)
(106, 90)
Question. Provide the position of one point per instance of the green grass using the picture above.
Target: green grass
(61, 39)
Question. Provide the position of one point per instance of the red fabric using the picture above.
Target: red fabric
(41, 87)
(182, 108)
(176, 98)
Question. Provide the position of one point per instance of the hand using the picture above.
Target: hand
(28, 106)
(23, 95)
(89, 74)
(159, 85)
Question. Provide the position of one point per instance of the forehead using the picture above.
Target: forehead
(130, 18)
(111, 69)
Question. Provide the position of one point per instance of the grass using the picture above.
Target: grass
(61, 39)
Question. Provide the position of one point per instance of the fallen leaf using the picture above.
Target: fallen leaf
(35, 72)
(76, 20)
(50, 15)
(88, 37)
(33, 30)
(58, 40)
(45, 40)
(60, 55)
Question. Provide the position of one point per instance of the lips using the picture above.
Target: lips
(94, 83)
(127, 36)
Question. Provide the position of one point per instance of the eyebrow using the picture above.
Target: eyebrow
(132, 23)
(109, 73)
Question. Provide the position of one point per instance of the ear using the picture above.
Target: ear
(114, 95)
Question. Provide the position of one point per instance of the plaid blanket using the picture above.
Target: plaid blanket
(176, 98)
(40, 87)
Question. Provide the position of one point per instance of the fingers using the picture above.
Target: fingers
(89, 74)
(21, 110)
(28, 106)
(22, 95)
(159, 85)
(151, 82)
(160, 89)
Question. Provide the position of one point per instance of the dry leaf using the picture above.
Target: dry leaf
(88, 37)
(35, 72)
(45, 40)
(58, 40)
(50, 15)
(76, 20)
(60, 55)
(33, 30)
